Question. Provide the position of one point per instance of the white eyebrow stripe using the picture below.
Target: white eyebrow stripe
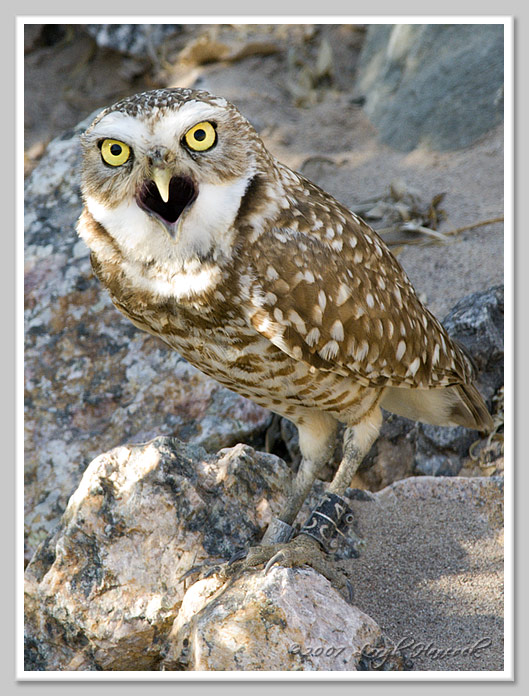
(144, 133)
(175, 124)
(120, 126)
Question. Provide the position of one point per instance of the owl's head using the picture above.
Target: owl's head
(165, 170)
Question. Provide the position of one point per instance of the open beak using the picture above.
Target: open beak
(165, 196)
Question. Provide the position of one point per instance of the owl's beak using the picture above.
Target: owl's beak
(165, 196)
(162, 178)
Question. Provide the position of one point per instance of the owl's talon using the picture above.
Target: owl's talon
(209, 567)
(212, 571)
(238, 556)
(276, 558)
(195, 570)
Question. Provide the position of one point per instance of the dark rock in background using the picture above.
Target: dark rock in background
(139, 40)
(433, 85)
(477, 321)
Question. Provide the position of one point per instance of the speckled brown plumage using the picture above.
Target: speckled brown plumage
(262, 280)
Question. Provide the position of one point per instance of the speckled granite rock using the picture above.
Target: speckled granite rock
(93, 381)
(286, 620)
(103, 590)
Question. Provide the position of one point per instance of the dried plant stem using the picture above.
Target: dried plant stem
(474, 224)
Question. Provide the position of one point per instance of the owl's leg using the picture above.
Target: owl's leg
(317, 440)
(332, 511)
(315, 539)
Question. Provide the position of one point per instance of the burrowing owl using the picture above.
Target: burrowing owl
(264, 282)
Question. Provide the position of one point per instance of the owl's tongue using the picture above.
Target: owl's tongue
(182, 192)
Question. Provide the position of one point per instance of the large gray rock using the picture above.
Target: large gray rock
(433, 85)
(93, 381)
(103, 590)
(286, 620)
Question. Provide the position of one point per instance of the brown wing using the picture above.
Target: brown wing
(333, 295)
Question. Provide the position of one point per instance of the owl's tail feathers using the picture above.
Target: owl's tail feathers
(459, 404)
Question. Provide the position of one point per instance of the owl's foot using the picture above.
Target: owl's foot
(320, 534)
(301, 551)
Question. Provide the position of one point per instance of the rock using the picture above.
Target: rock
(438, 86)
(139, 40)
(284, 620)
(104, 589)
(92, 380)
(440, 451)
(477, 322)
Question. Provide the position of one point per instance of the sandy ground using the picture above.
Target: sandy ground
(330, 139)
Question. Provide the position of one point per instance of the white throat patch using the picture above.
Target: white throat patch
(205, 229)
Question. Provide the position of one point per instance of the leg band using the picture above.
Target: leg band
(277, 532)
(327, 520)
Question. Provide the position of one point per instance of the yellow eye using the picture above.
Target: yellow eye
(114, 152)
(201, 137)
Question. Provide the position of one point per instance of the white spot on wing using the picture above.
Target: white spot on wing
(297, 321)
(337, 330)
(412, 369)
(401, 349)
(343, 295)
(271, 273)
(361, 351)
(329, 350)
(313, 336)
